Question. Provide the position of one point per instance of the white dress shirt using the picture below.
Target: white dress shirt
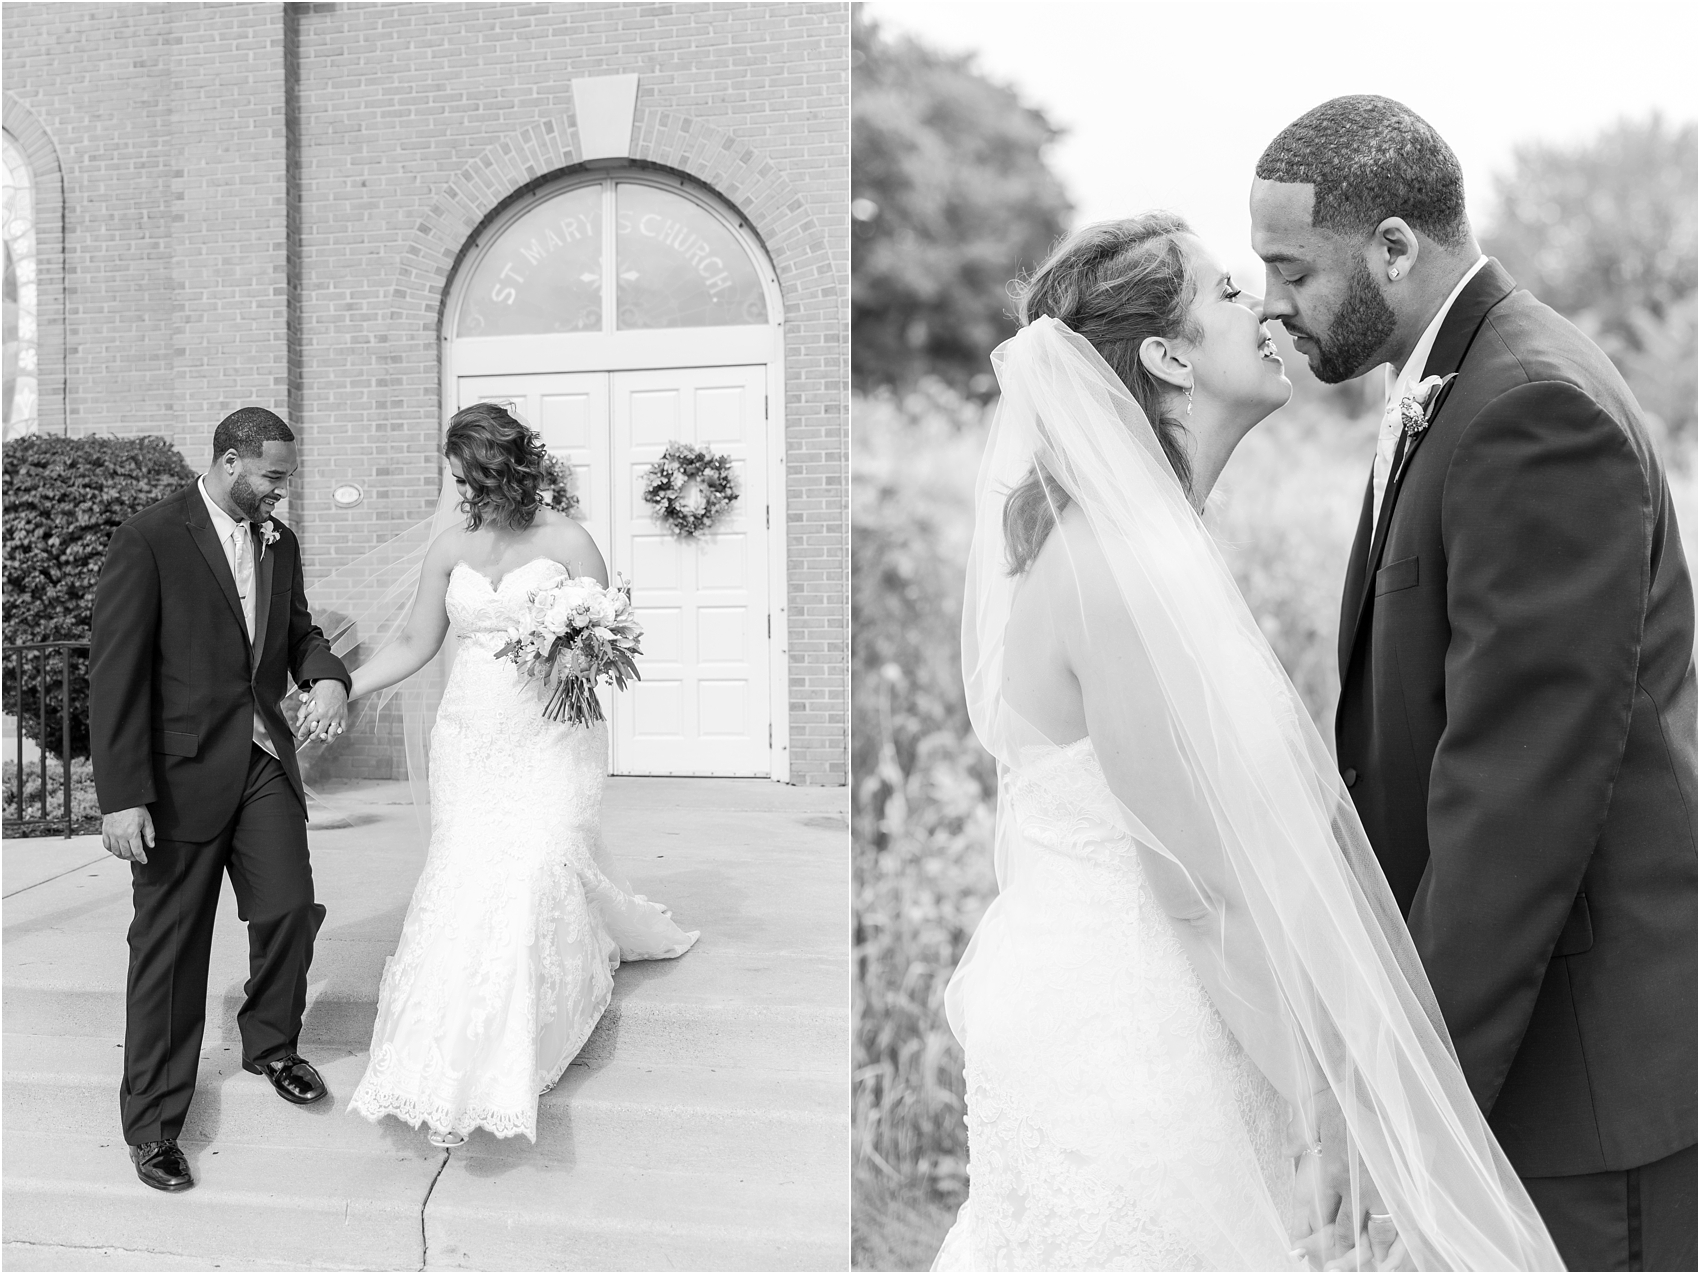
(237, 539)
(1401, 384)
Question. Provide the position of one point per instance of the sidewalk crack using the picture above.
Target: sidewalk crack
(424, 1242)
(24, 889)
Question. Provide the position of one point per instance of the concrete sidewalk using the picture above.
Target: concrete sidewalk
(704, 1125)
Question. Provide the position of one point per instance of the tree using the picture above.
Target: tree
(1604, 232)
(951, 200)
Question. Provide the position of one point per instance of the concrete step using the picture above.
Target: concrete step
(319, 1207)
(55, 1256)
(640, 1031)
(331, 1208)
(702, 1126)
(676, 1117)
(487, 1214)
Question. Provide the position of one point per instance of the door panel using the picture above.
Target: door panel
(703, 705)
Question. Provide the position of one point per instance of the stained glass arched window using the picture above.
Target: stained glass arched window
(17, 228)
(674, 262)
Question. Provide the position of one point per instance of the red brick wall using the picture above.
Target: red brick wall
(264, 204)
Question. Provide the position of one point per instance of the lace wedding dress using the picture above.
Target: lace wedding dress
(519, 918)
(1114, 1123)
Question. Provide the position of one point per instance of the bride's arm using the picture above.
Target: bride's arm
(427, 624)
(1188, 869)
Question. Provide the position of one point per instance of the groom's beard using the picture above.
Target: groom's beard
(1358, 330)
(244, 497)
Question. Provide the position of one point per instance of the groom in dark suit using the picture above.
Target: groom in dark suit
(1517, 712)
(199, 615)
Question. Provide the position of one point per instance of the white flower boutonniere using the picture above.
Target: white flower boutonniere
(1416, 409)
(269, 535)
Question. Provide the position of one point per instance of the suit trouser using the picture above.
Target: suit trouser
(264, 848)
(1640, 1219)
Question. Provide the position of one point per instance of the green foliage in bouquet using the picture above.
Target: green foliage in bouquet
(63, 499)
(578, 634)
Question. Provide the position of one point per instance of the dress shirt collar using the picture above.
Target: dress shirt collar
(1412, 371)
(222, 520)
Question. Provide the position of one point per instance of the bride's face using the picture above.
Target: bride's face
(1235, 367)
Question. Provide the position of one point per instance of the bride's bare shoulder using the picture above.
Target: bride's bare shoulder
(570, 544)
(447, 548)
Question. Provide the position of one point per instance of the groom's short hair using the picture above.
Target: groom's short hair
(1371, 158)
(247, 430)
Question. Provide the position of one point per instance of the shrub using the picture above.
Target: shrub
(64, 497)
(85, 806)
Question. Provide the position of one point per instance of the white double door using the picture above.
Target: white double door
(704, 703)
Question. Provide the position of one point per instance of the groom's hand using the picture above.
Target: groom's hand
(324, 715)
(128, 834)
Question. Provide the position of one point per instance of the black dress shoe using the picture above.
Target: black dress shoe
(161, 1164)
(292, 1075)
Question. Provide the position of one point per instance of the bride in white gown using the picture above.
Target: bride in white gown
(519, 918)
(1192, 1018)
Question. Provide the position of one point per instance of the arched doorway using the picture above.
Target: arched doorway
(612, 345)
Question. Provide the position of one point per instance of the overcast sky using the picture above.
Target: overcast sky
(1169, 104)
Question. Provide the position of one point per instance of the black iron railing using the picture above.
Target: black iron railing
(51, 662)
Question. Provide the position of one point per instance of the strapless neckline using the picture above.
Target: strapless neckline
(496, 587)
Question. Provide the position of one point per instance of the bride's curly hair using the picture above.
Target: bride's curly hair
(504, 464)
(1115, 283)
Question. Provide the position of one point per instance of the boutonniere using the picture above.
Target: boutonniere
(269, 535)
(1416, 409)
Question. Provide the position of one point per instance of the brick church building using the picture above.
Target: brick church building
(625, 221)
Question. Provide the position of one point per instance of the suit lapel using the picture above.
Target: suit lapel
(206, 539)
(263, 602)
(1357, 567)
(1458, 330)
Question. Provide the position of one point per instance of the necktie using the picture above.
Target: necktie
(242, 566)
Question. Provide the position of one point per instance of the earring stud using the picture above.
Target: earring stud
(1393, 273)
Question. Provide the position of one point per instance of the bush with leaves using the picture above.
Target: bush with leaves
(85, 805)
(64, 497)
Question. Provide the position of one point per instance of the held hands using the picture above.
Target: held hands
(1343, 1236)
(324, 711)
(128, 834)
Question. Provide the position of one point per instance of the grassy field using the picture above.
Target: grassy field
(1284, 513)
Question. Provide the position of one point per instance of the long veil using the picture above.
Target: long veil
(361, 606)
(1244, 828)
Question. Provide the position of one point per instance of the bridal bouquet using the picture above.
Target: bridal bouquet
(577, 634)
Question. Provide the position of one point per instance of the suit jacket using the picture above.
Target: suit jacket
(174, 680)
(1517, 730)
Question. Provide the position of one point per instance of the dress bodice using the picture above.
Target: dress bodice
(1062, 803)
(476, 606)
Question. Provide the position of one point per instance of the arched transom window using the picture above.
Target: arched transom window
(17, 227)
(672, 261)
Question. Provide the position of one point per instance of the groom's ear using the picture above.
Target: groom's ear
(1164, 361)
(1394, 250)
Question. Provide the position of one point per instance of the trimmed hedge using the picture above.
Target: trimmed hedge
(63, 499)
